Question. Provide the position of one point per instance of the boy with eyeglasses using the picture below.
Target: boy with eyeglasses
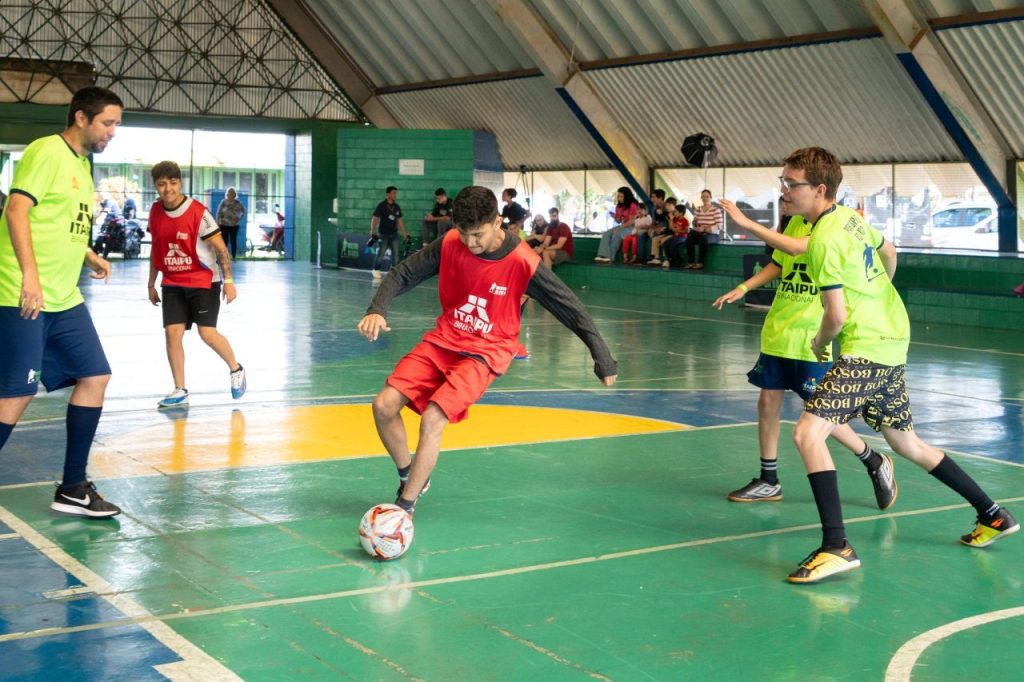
(852, 265)
(786, 363)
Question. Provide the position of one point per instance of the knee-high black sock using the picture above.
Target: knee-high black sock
(950, 473)
(81, 427)
(5, 433)
(825, 487)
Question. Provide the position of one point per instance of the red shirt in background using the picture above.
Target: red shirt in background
(557, 233)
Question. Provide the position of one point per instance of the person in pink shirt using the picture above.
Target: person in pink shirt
(624, 215)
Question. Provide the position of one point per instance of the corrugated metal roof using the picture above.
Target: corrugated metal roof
(397, 42)
(594, 30)
(938, 9)
(991, 57)
(761, 105)
(533, 126)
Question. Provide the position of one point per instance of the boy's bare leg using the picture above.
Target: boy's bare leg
(387, 416)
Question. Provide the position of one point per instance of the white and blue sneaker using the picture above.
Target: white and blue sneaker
(238, 383)
(176, 398)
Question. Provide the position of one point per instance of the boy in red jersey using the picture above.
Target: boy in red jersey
(483, 271)
(187, 245)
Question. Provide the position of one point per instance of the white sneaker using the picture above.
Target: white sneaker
(176, 398)
(602, 259)
(376, 274)
(238, 384)
(664, 264)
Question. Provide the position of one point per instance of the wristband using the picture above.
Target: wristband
(229, 281)
(742, 287)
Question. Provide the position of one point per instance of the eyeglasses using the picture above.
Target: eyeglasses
(787, 185)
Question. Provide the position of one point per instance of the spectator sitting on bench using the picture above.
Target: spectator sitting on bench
(536, 236)
(556, 248)
(624, 215)
(707, 223)
(437, 222)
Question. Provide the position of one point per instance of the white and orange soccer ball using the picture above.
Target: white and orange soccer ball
(386, 531)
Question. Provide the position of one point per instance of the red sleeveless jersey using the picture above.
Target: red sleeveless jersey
(480, 301)
(176, 244)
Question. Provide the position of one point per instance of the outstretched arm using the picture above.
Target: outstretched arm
(560, 301)
(422, 265)
(765, 275)
(794, 246)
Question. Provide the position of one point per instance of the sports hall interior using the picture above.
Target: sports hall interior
(572, 530)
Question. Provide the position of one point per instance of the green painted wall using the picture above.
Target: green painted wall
(368, 163)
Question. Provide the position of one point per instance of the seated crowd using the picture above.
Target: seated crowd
(665, 237)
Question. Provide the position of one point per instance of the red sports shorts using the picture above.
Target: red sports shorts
(431, 374)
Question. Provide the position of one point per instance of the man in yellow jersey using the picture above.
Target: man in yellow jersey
(46, 333)
(787, 362)
(852, 266)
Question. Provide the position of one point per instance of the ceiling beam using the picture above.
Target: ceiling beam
(906, 31)
(575, 89)
(310, 31)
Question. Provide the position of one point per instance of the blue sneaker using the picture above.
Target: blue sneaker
(238, 383)
(176, 398)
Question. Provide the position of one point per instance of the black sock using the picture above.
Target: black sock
(81, 428)
(825, 487)
(5, 432)
(403, 473)
(872, 460)
(406, 504)
(769, 471)
(950, 473)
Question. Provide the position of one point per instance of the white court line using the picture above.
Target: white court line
(195, 665)
(149, 618)
(902, 664)
(69, 592)
(9, 536)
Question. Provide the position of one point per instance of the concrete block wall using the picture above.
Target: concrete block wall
(368, 162)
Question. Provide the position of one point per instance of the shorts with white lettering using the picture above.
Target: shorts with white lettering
(188, 305)
(855, 386)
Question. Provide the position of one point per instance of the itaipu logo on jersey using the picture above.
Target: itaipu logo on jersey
(472, 316)
(798, 282)
(81, 226)
(176, 260)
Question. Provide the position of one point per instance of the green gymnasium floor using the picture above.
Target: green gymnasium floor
(572, 531)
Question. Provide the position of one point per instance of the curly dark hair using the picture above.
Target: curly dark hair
(166, 169)
(474, 205)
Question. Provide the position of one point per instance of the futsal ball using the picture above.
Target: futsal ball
(386, 531)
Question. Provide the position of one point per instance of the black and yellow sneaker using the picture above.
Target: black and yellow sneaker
(883, 480)
(823, 562)
(987, 532)
(81, 499)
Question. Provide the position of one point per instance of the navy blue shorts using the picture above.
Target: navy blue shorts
(773, 373)
(56, 349)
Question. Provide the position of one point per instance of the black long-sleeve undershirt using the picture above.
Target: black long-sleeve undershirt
(546, 288)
